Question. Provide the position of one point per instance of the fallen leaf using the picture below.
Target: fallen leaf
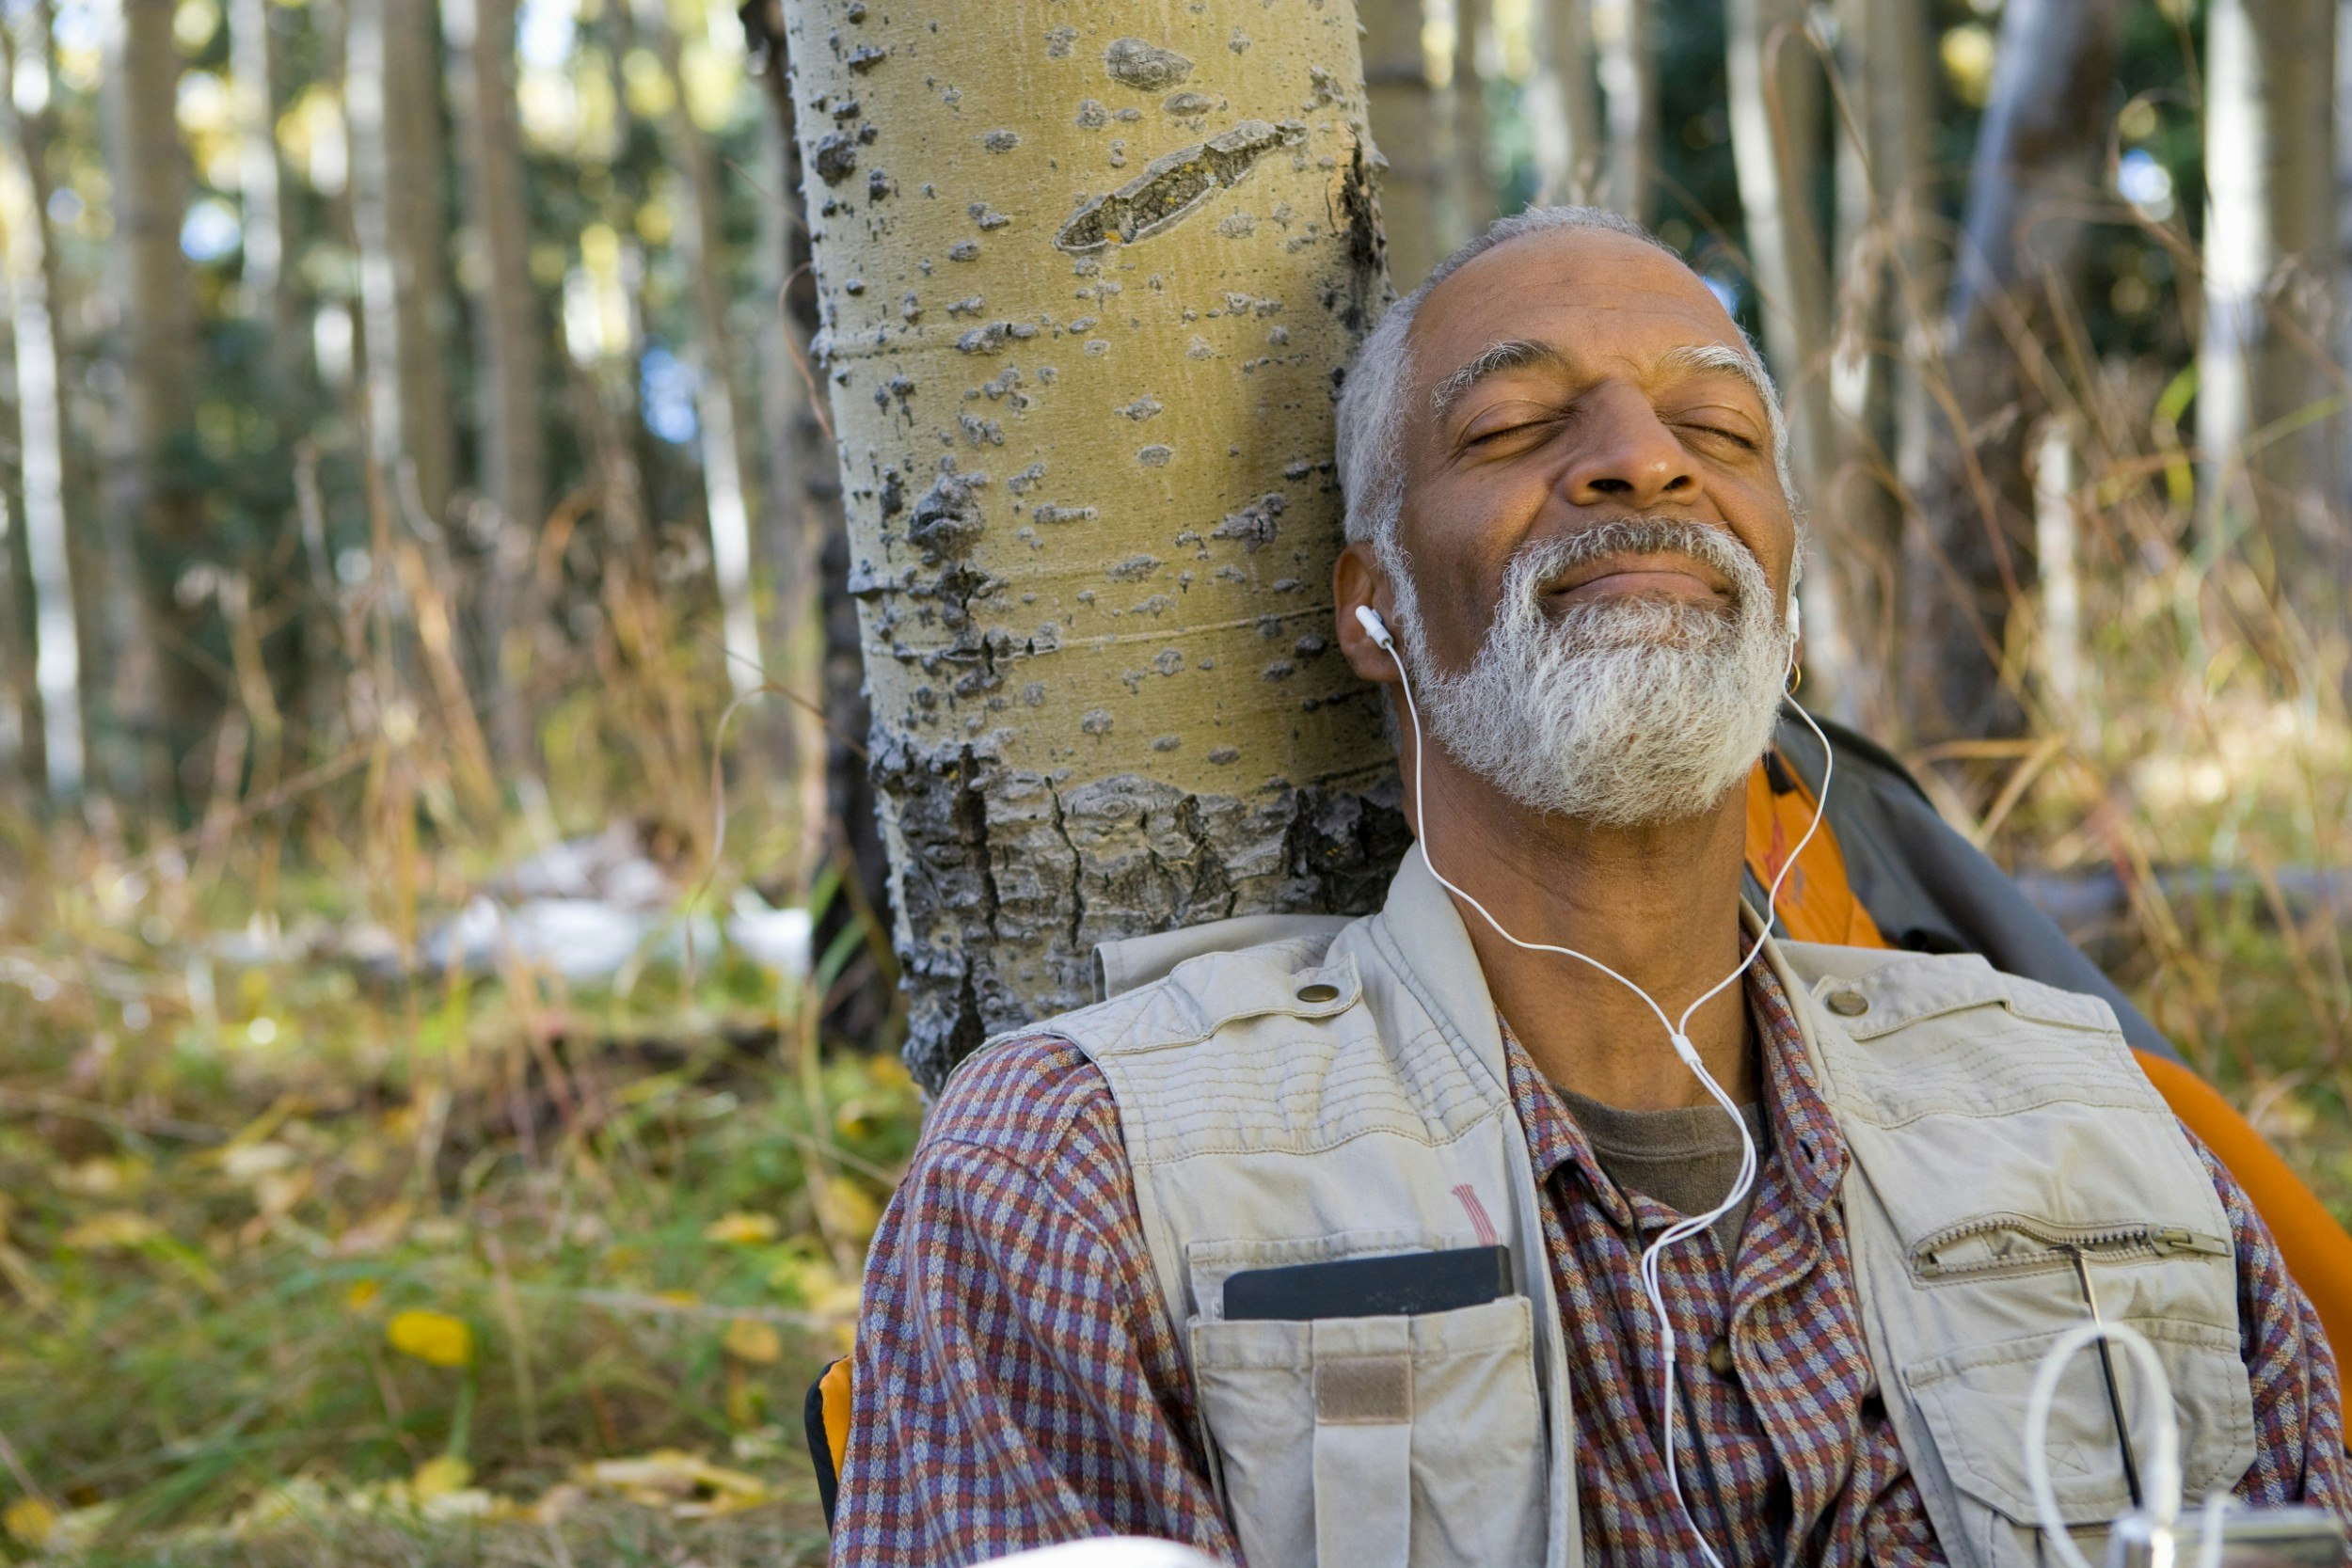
(113, 1230)
(30, 1521)
(742, 1228)
(688, 1485)
(753, 1341)
(363, 1293)
(432, 1336)
(440, 1477)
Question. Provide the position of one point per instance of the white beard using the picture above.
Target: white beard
(1623, 713)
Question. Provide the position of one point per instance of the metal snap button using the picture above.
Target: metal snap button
(1849, 1003)
(1318, 993)
(1719, 1358)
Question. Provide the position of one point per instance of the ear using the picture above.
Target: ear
(1358, 582)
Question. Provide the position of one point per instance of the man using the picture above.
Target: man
(1568, 499)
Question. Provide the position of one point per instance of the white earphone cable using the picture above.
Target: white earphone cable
(1677, 1032)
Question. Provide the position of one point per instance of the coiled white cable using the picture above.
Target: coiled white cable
(2164, 1462)
(1676, 1034)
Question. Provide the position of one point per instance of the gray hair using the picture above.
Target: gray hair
(1373, 411)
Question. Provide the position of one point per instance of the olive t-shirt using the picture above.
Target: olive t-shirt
(1685, 1159)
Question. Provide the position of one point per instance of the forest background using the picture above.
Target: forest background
(451, 1019)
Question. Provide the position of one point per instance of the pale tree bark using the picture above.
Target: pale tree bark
(2037, 171)
(264, 291)
(1881, 310)
(2270, 254)
(27, 256)
(161, 694)
(1415, 137)
(1083, 368)
(1623, 33)
(1564, 103)
(1776, 102)
(392, 94)
(1473, 186)
(802, 501)
(725, 422)
(512, 338)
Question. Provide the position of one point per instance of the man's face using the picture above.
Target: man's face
(1609, 411)
(1588, 571)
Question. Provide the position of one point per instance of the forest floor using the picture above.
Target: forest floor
(309, 1259)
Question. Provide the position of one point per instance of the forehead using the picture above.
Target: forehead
(1598, 297)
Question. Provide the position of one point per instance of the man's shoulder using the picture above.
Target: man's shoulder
(1027, 1095)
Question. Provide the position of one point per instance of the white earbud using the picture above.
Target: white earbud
(1796, 620)
(1375, 628)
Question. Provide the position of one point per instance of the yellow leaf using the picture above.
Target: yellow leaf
(742, 1228)
(362, 1294)
(849, 1208)
(438, 1478)
(29, 1520)
(433, 1337)
(679, 1298)
(117, 1229)
(754, 1341)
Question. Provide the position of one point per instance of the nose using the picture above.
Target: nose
(1627, 456)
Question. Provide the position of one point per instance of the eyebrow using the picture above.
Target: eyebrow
(1510, 355)
(1514, 353)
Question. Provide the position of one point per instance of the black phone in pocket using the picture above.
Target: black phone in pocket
(1397, 1284)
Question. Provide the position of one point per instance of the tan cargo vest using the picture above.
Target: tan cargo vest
(1335, 1089)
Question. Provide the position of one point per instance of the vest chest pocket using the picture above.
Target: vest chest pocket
(1974, 1404)
(1392, 1442)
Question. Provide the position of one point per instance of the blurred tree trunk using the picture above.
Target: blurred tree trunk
(724, 423)
(1879, 313)
(803, 501)
(1473, 186)
(1564, 102)
(1776, 102)
(264, 292)
(512, 338)
(1091, 538)
(2264, 435)
(392, 93)
(2036, 174)
(1411, 130)
(1623, 30)
(161, 693)
(28, 253)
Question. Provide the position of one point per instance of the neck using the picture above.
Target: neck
(1658, 904)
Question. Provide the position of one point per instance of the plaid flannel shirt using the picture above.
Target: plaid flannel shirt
(1018, 1382)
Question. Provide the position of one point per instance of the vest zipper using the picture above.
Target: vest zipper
(2053, 1244)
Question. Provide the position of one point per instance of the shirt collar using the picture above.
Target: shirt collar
(1805, 1137)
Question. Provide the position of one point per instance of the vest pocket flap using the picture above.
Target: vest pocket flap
(1362, 1442)
(1974, 1401)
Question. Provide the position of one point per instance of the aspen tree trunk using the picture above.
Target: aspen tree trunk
(1473, 186)
(1414, 135)
(1776, 102)
(26, 254)
(160, 693)
(2269, 268)
(262, 292)
(1901, 120)
(803, 498)
(1088, 277)
(512, 338)
(1629, 78)
(1564, 102)
(725, 422)
(391, 95)
(2037, 163)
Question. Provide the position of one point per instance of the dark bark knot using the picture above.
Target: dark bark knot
(947, 516)
(1173, 187)
(1145, 66)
